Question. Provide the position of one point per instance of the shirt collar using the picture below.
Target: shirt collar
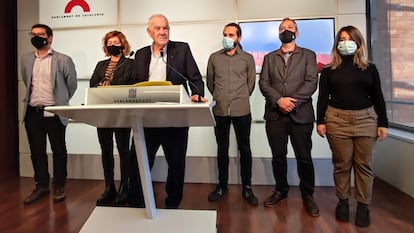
(49, 52)
(281, 53)
(238, 49)
(165, 48)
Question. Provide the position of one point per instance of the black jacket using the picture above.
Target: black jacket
(179, 57)
(122, 72)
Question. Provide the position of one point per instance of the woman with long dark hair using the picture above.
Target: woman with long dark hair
(351, 113)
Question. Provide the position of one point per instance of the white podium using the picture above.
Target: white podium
(138, 116)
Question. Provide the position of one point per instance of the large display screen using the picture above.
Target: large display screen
(260, 38)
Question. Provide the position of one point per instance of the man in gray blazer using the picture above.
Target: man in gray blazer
(288, 79)
(50, 79)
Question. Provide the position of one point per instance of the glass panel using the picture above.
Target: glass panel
(393, 53)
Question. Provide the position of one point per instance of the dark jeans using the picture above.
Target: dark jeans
(174, 143)
(122, 137)
(37, 128)
(242, 127)
(300, 135)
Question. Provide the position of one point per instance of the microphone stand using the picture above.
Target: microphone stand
(116, 68)
(182, 76)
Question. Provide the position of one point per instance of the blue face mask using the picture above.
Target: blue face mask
(347, 47)
(228, 43)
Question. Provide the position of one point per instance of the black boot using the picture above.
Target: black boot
(108, 196)
(135, 195)
(362, 218)
(342, 210)
(122, 197)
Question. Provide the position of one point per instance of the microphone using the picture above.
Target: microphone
(116, 68)
(181, 75)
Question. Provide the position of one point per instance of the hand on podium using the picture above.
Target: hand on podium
(198, 98)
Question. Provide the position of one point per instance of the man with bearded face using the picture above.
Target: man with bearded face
(50, 79)
(288, 79)
(231, 76)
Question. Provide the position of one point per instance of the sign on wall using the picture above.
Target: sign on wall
(78, 13)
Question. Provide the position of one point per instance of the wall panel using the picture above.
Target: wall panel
(351, 7)
(137, 12)
(357, 20)
(261, 9)
(84, 45)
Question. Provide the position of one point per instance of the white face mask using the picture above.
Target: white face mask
(347, 47)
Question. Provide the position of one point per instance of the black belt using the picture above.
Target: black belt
(36, 108)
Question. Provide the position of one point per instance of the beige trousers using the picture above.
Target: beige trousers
(352, 135)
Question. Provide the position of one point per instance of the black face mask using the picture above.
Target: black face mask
(114, 50)
(38, 42)
(287, 36)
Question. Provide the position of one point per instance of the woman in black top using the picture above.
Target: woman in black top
(114, 71)
(351, 113)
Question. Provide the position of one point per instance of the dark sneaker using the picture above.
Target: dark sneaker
(274, 199)
(37, 194)
(59, 194)
(362, 216)
(217, 194)
(310, 206)
(342, 211)
(249, 196)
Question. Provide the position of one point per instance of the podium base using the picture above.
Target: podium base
(124, 219)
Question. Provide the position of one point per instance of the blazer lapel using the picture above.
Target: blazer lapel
(30, 70)
(170, 57)
(53, 68)
(279, 67)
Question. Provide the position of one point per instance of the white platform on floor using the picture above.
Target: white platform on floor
(125, 220)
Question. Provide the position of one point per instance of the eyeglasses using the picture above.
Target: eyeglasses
(42, 34)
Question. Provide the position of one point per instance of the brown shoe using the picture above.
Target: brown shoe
(59, 194)
(274, 199)
(310, 206)
(37, 194)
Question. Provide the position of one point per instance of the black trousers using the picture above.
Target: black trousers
(38, 128)
(174, 143)
(122, 138)
(242, 127)
(300, 135)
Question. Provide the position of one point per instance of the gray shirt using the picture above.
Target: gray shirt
(231, 80)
